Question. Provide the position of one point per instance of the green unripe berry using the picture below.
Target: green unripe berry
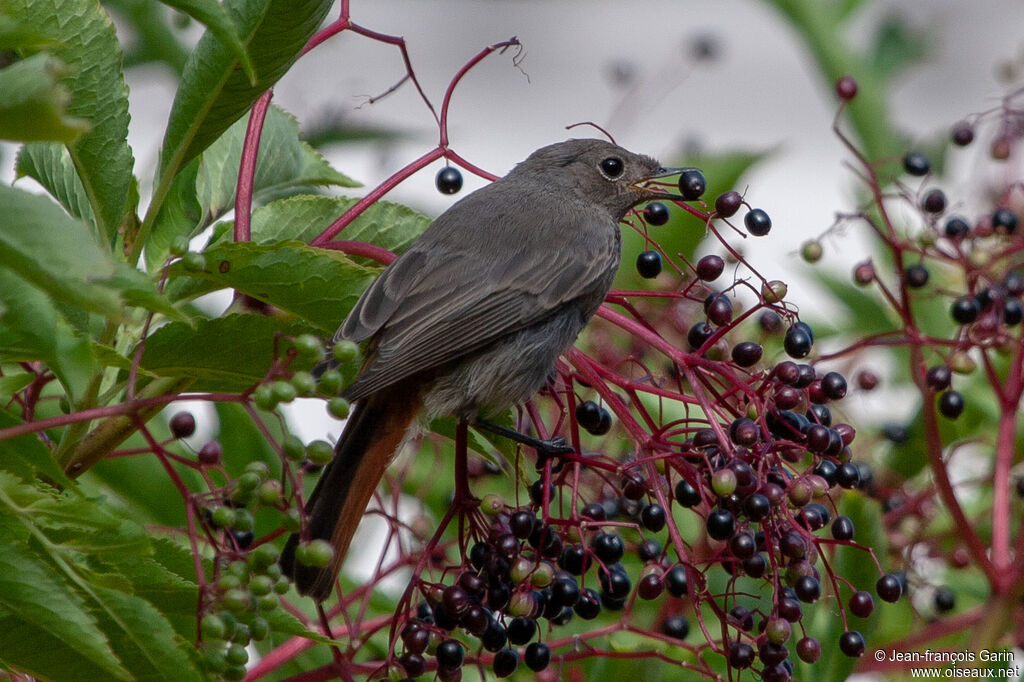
(229, 582)
(259, 628)
(267, 603)
(249, 481)
(724, 482)
(235, 672)
(330, 382)
(338, 408)
(303, 383)
(319, 452)
(241, 635)
(309, 347)
(492, 504)
(237, 655)
(273, 571)
(263, 397)
(212, 627)
(315, 554)
(261, 585)
(293, 448)
(243, 521)
(215, 660)
(292, 520)
(236, 600)
(269, 493)
(345, 352)
(222, 517)
(811, 251)
(263, 556)
(282, 586)
(262, 469)
(520, 569)
(774, 291)
(542, 575)
(283, 391)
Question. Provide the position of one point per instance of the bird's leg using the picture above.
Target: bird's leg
(552, 447)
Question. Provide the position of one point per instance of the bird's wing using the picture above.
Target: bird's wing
(446, 303)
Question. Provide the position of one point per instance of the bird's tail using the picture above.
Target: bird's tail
(373, 433)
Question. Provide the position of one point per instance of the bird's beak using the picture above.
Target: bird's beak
(656, 191)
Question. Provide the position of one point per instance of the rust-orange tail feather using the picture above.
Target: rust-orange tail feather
(373, 433)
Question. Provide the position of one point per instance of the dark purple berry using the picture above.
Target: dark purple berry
(718, 308)
(965, 309)
(797, 342)
(757, 222)
(808, 649)
(728, 203)
(916, 163)
(656, 213)
(521, 523)
(648, 264)
(594, 511)
(848, 475)
(448, 180)
(963, 134)
(653, 517)
(648, 550)
(746, 353)
(210, 453)
(699, 335)
(537, 656)
(589, 605)
(686, 494)
(743, 545)
(675, 581)
(721, 524)
(861, 604)
(676, 627)
(588, 415)
(450, 654)
(916, 276)
(757, 507)
(692, 184)
(938, 377)
(951, 404)
(183, 425)
(741, 655)
(889, 588)
(790, 609)
(944, 599)
(521, 630)
(833, 385)
(505, 662)
(650, 587)
(495, 637)
(1004, 221)
(842, 528)
(608, 547)
(851, 643)
(709, 268)
(846, 88)
(537, 490)
(934, 201)
(807, 589)
(956, 228)
(755, 566)
(1013, 312)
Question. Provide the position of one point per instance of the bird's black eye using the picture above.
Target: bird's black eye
(612, 167)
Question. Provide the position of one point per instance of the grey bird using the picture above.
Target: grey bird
(472, 317)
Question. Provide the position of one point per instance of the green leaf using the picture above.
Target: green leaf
(32, 329)
(37, 594)
(284, 163)
(225, 354)
(14, 35)
(26, 456)
(318, 285)
(88, 45)
(34, 105)
(214, 93)
(387, 225)
(212, 14)
(54, 252)
(52, 167)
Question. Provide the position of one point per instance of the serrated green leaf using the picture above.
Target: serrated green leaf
(214, 94)
(284, 163)
(12, 383)
(32, 329)
(14, 35)
(27, 457)
(51, 166)
(34, 105)
(212, 14)
(36, 592)
(225, 354)
(144, 639)
(55, 252)
(35, 650)
(88, 45)
(318, 285)
(139, 290)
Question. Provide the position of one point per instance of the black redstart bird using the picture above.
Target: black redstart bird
(472, 317)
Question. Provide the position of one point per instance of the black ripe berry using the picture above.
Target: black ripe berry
(718, 308)
(746, 353)
(848, 475)
(648, 264)
(537, 656)
(656, 213)
(916, 276)
(1013, 312)
(653, 517)
(692, 184)
(699, 334)
(183, 425)
(807, 589)
(951, 404)
(709, 268)
(686, 494)
(956, 228)
(449, 654)
(721, 524)
(889, 588)
(448, 180)
(965, 309)
(934, 201)
(521, 630)
(589, 605)
(797, 342)
(741, 655)
(676, 627)
(1004, 221)
(861, 604)
(505, 662)
(963, 134)
(758, 222)
(675, 581)
(916, 163)
(842, 528)
(608, 547)
(728, 203)
(851, 643)
(938, 377)
(833, 385)
(944, 599)
(588, 415)
(808, 649)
